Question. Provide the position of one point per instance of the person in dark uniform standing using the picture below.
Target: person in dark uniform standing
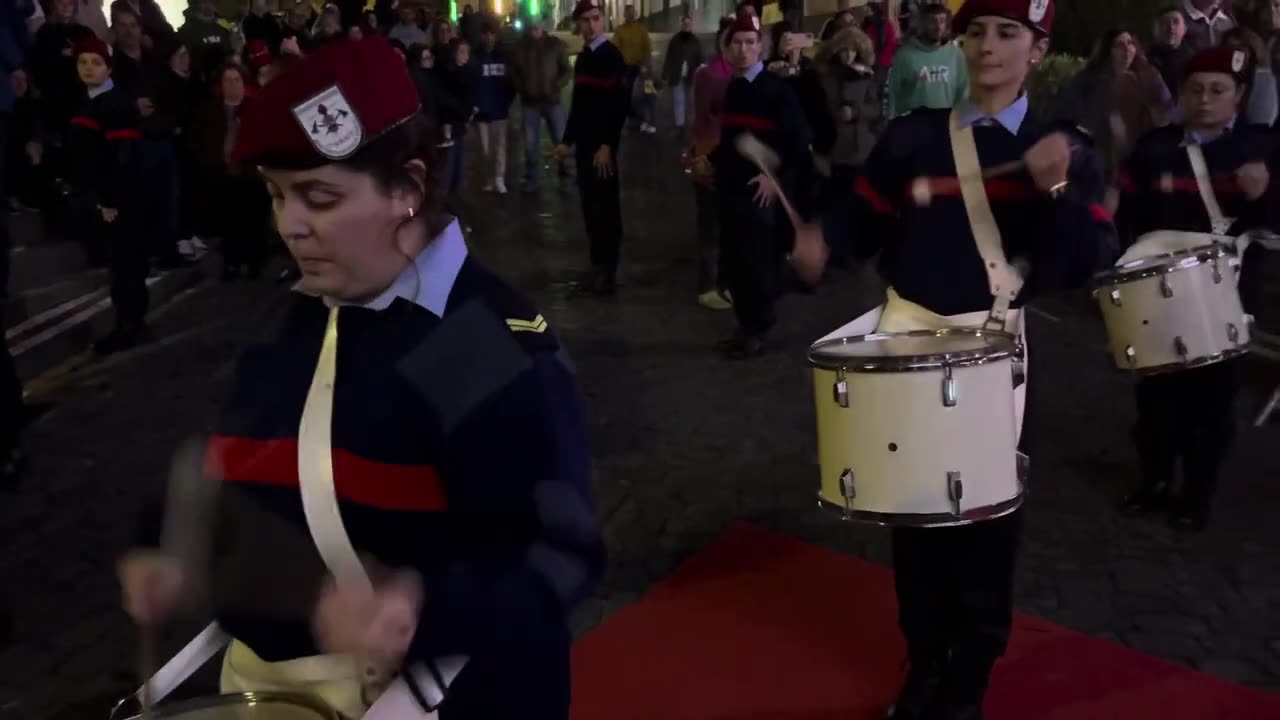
(753, 226)
(12, 411)
(102, 153)
(1189, 415)
(412, 436)
(955, 584)
(597, 114)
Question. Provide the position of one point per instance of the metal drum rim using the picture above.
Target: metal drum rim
(902, 363)
(1182, 260)
(1201, 361)
(931, 520)
(303, 700)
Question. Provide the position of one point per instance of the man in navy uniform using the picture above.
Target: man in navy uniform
(753, 226)
(597, 113)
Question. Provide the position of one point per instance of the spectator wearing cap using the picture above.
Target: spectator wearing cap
(539, 68)
(597, 113)
(1168, 52)
(207, 39)
(1187, 417)
(954, 585)
(103, 161)
(262, 25)
(53, 68)
(156, 29)
(753, 226)
(493, 96)
(1261, 103)
(476, 558)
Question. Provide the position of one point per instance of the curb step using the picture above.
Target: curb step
(48, 338)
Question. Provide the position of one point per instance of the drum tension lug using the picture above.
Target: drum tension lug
(1217, 273)
(1180, 346)
(847, 490)
(1165, 288)
(840, 390)
(1115, 297)
(955, 490)
(1233, 333)
(950, 393)
(1130, 355)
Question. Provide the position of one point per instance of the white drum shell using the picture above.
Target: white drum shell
(900, 441)
(1183, 314)
(247, 706)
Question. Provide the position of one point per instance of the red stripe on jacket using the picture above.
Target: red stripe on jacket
(878, 202)
(364, 482)
(1170, 184)
(751, 122)
(592, 80)
(88, 122)
(997, 188)
(124, 134)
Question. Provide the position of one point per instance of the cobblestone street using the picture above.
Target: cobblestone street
(684, 444)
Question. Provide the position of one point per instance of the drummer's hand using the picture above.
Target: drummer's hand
(153, 585)
(379, 627)
(560, 152)
(1048, 161)
(766, 190)
(1253, 179)
(809, 254)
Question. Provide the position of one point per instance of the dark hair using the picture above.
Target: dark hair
(1102, 50)
(775, 35)
(935, 9)
(385, 157)
(120, 10)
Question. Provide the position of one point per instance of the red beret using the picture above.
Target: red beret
(585, 6)
(257, 55)
(1035, 14)
(95, 46)
(1222, 59)
(328, 105)
(745, 23)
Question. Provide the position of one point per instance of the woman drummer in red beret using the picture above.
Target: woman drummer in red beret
(405, 516)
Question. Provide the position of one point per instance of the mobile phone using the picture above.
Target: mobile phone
(802, 41)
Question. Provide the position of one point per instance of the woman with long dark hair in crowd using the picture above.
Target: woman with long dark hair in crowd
(458, 82)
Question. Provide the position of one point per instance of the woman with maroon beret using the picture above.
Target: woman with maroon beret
(405, 521)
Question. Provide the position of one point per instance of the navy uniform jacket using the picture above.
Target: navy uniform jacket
(928, 252)
(598, 107)
(459, 450)
(101, 147)
(763, 104)
(1159, 190)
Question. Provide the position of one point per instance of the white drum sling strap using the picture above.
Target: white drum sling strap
(1204, 183)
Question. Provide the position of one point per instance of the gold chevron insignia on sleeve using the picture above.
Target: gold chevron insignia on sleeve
(536, 325)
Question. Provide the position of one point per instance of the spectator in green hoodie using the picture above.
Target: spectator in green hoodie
(928, 70)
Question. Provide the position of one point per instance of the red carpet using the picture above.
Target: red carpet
(760, 626)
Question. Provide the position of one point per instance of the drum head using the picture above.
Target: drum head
(914, 350)
(1164, 263)
(248, 706)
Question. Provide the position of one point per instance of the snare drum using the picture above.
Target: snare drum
(247, 706)
(918, 428)
(1174, 311)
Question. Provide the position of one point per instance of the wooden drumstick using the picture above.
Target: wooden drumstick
(750, 147)
(922, 192)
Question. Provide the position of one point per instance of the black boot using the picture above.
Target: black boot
(1156, 457)
(920, 690)
(962, 691)
(742, 345)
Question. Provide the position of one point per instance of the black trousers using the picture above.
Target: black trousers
(244, 222)
(601, 211)
(955, 595)
(10, 402)
(128, 256)
(707, 205)
(1188, 416)
(751, 258)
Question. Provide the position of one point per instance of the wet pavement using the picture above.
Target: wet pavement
(684, 444)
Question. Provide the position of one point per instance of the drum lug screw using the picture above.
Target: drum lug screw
(1019, 374)
(1115, 297)
(950, 393)
(1233, 333)
(1130, 354)
(840, 390)
(1165, 288)
(1180, 346)
(955, 490)
(1217, 273)
(847, 490)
